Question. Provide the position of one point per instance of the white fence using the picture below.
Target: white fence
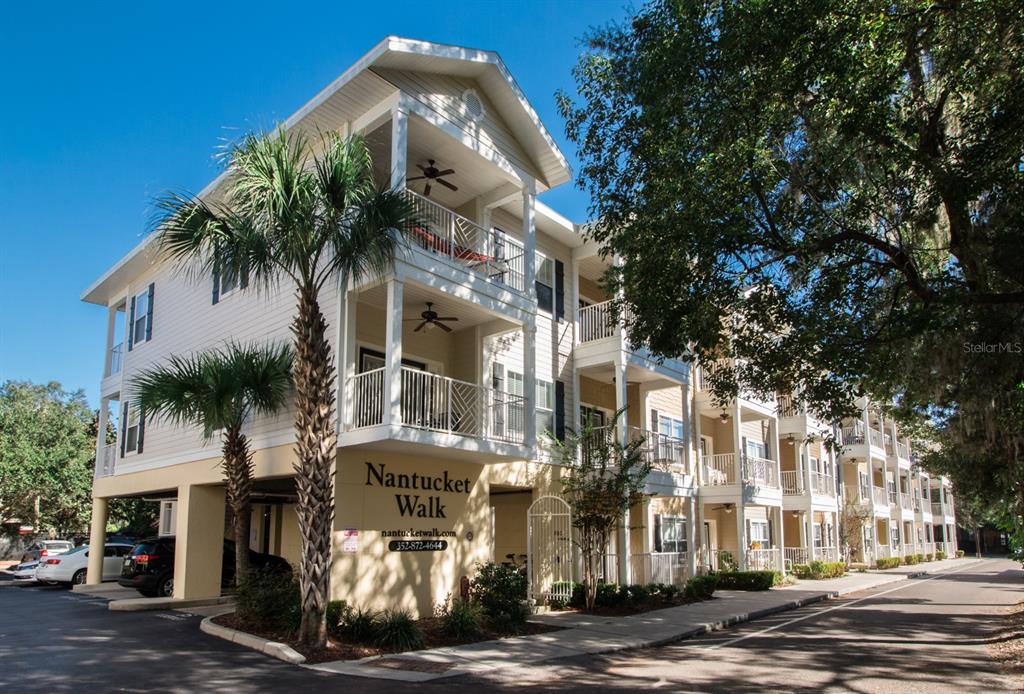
(720, 469)
(792, 482)
(107, 460)
(659, 567)
(597, 321)
(762, 559)
(760, 471)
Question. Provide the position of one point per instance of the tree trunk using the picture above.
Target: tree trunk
(238, 477)
(315, 449)
(977, 541)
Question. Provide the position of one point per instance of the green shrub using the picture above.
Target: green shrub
(459, 618)
(940, 555)
(635, 595)
(508, 622)
(959, 554)
(921, 559)
(396, 630)
(358, 625)
(887, 563)
(700, 587)
(335, 611)
(577, 596)
(668, 592)
(268, 599)
(910, 560)
(498, 589)
(608, 595)
(748, 580)
(557, 604)
(818, 569)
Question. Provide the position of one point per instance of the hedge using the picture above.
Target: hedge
(887, 563)
(747, 580)
(940, 555)
(817, 570)
(959, 554)
(700, 587)
(910, 559)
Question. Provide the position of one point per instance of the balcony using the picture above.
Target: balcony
(490, 254)
(721, 470)
(819, 484)
(936, 508)
(596, 322)
(854, 436)
(665, 454)
(879, 496)
(668, 568)
(436, 410)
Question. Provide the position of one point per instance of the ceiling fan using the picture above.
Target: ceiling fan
(430, 319)
(432, 173)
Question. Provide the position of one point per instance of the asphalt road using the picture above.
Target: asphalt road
(924, 635)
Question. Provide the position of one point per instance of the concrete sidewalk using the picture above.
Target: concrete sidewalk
(590, 634)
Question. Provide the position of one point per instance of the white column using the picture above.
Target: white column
(97, 541)
(393, 354)
(574, 299)
(693, 532)
(741, 518)
(346, 355)
(101, 436)
(780, 540)
(621, 399)
(530, 239)
(399, 147)
(111, 324)
(530, 383)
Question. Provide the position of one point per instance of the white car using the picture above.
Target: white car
(25, 571)
(71, 567)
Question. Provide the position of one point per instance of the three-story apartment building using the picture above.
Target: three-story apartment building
(492, 328)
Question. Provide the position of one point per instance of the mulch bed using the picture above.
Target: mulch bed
(1008, 647)
(627, 610)
(339, 649)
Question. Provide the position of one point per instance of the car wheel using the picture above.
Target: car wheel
(146, 592)
(165, 586)
(79, 577)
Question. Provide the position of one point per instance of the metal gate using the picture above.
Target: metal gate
(549, 549)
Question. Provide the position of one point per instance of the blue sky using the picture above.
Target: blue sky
(106, 105)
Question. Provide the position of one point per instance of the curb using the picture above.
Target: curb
(143, 604)
(275, 649)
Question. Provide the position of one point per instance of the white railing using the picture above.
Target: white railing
(438, 403)
(662, 451)
(822, 484)
(719, 558)
(670, 568)
(877, 440)
(904, 500)
(792, 482)
(785, 407)
(106, 460)
(762, 559)
(116, 359)
(795, 555)
(937, 508)
(927, 548)
(826, 553)
(367, 390)
(852, 436)
(903, 451)
(879, 495)
(720, 469)
(760, 471)
(492, 254)
(595, 322)
(883, 552)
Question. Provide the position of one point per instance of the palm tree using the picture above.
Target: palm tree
(305, 214)
(217, 390)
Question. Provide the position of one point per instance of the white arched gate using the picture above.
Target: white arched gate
(549, 549)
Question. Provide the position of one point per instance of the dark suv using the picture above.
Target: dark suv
(149, 568)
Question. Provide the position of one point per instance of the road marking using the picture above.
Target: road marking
(903, 585)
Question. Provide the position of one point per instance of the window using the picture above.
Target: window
(515, 387)
(670, 426)
(670, 534)
(759, 533)
(865, 487)
(755, 449)
(817, 534)
(228, 279)
(168, 517)
(545, 283)
(595, 416)
(132, 430)
(545, 406)
(815, 465)
(140, 317)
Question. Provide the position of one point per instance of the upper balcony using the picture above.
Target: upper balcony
(861, 442)
(796, 419)
(726, 474)
(670, 473)
(414, 378)
(795, 483)
(751, 405)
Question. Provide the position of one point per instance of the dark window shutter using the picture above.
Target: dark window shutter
(243, 276)
(654, 421)
(124, 427)
(149, 314)
(559, 290)
(142, 430)
(131, 325)
(560, 410)
(498, 384)
(657, 532)
(216, 282)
